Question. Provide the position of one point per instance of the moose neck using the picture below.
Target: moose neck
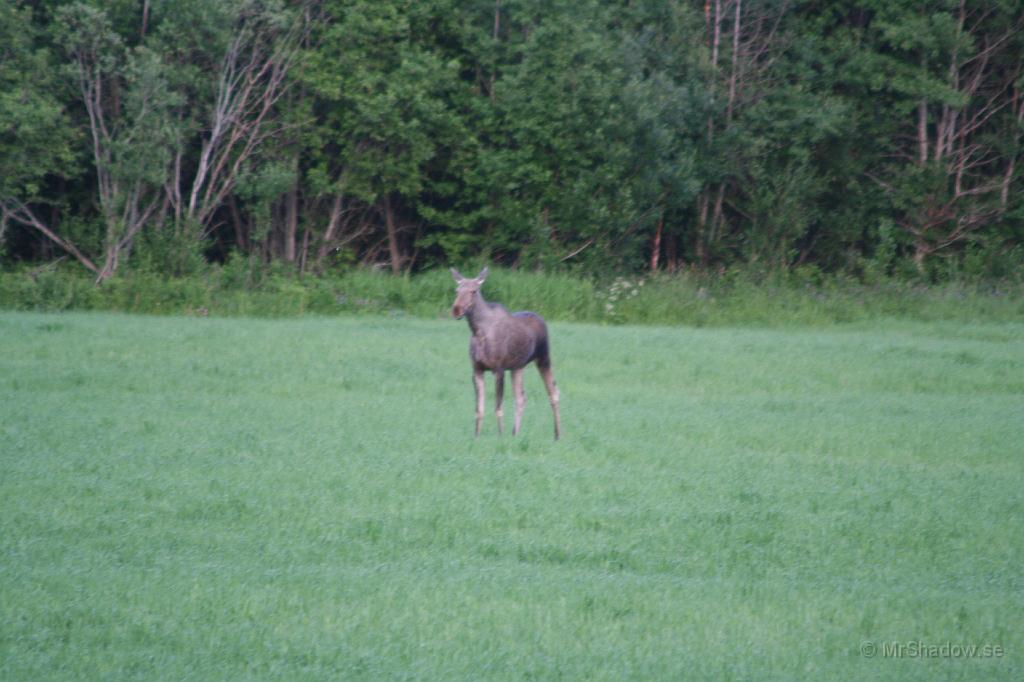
(480, 315)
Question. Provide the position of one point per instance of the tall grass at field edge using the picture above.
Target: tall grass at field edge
(735, 298)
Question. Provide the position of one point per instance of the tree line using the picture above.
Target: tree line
(603, 136)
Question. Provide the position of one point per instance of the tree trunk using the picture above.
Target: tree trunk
(713, 20)
(712, 230)
(702, 221)
(671, 261)
(291, 222)
(304, 253)
(393, 250)
(656, 244)
(716, 221)
(922, 132)
(109, 264)
(734, 74)
(716, 33)
(713, 39)
(277, 229)
(1004, 190)
(236, 219)
(332, 228)
(145, 20)
(921, 252)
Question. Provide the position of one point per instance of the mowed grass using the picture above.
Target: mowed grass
(190, 498)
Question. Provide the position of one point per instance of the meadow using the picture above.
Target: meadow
(212, 498)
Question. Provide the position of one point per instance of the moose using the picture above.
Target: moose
(501, 341)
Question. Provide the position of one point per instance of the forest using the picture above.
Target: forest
(583, 136)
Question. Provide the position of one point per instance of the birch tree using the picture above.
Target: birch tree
(251, 77)
(127, 103)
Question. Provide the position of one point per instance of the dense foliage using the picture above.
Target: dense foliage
(601, 136)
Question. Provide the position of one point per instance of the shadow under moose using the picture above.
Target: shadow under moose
(502, 341)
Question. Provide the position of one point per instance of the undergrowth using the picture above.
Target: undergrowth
(697, 299)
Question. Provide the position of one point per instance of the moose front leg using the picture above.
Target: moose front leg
(499, 394)
(478, 384)
(517, 388)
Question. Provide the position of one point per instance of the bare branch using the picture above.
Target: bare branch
(253, 79)
(20, 212)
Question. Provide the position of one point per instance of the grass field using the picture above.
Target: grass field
(201, 498)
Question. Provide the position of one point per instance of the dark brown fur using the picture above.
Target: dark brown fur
(502, 341)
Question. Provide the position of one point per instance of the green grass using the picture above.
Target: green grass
(188, 498)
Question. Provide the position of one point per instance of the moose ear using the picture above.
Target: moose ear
(456, 275)
(482, 276)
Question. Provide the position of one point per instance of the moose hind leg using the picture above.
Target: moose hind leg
(499, 394)
(478, 384)
(517, 388)
(552, 387)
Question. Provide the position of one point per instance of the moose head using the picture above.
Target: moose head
(466, 292)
